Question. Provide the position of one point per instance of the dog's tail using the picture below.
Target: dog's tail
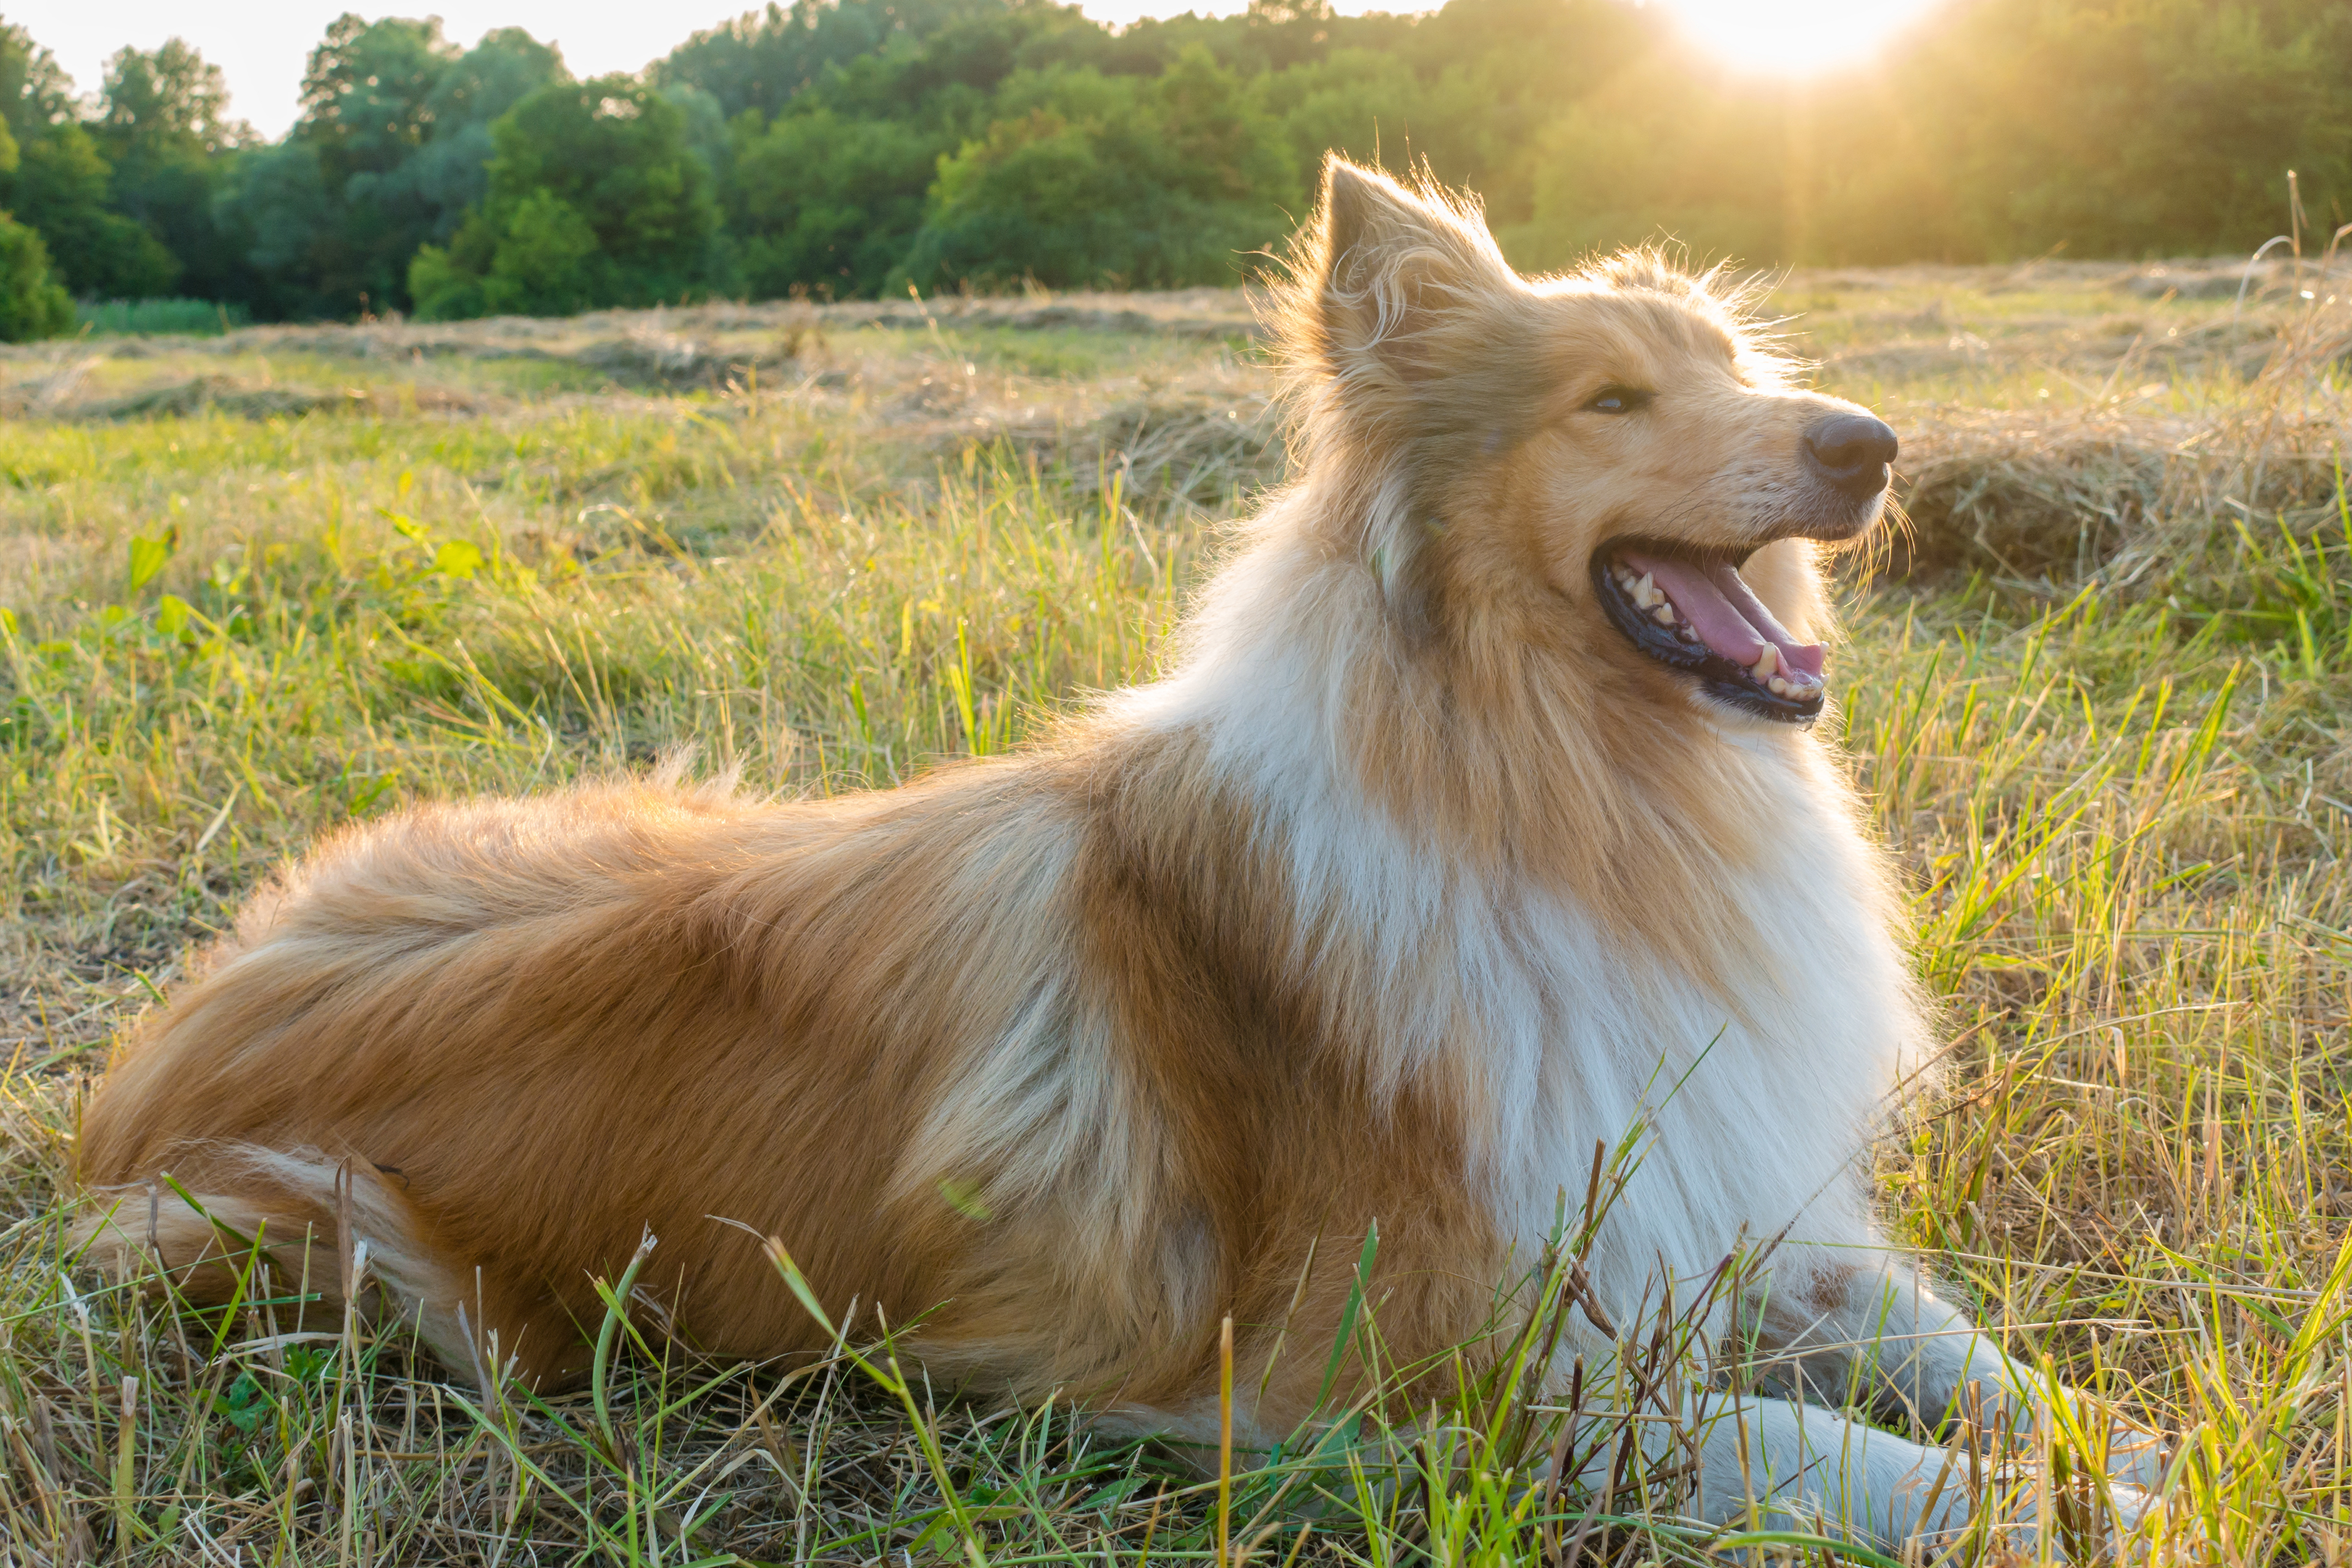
(262, 1224)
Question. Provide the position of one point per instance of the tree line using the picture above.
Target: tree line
(851, 148)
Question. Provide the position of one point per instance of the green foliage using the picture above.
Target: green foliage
(368, 88)
(827, 202)
(33, 304)
(367, 99)
(35, 92)
(149, 556)
(596, 199)
(164, 126)
(849, 147)
(1116, 181)
(169, 317)
(2145, 127)
(433, 185)
(275, 204)
(544, 263)
(764, 59)
(59, 182)
(392, 151)
(62, 188)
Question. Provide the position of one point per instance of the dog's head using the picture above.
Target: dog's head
(1610, 458)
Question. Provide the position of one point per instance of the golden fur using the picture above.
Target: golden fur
(1379, 911)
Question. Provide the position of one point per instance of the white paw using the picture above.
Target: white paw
(2137, 1460)
(2103, 1532)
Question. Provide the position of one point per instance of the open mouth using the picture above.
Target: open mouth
(1692, 613)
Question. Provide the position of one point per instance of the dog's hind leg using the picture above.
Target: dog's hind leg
(311, 1220)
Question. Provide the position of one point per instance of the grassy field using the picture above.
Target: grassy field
(260, 583)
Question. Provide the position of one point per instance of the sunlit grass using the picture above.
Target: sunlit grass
(2123, 809)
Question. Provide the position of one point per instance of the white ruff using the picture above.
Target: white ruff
(1755, 1125)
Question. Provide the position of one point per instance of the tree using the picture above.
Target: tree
(164, 126)
(827, 201)
(368, 90)
(172, 97)
(595, 199)
(275, 209)
(448, 172)
(367, 108)
(1110, 181)
(2124, 127)
(392, 151)
(62, 184)
(32, 303)
(764, 59)
(35, 92)
(1668, 150)
(851, 146)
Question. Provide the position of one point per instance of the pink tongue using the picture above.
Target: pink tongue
(1726, 614)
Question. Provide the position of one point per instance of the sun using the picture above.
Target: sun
(1793, 38)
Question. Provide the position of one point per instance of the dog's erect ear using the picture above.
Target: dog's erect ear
(1391, 267)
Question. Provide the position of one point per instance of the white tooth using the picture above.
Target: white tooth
(1766, 663)
(1663, 614)
(1780, 687)
(1645, 592)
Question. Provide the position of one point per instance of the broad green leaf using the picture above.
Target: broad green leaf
(147, 558)
(457, 558)
(402, 523)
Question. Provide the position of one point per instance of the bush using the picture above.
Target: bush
(177, 318)
(33, 304)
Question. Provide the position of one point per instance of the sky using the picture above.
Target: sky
(260, 45)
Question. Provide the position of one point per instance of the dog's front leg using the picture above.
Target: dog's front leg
(1779, 1464)
(1879, 1338)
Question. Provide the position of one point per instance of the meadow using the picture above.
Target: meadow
(258, 584)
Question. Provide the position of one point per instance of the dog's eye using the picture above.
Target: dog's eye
(1618, 400)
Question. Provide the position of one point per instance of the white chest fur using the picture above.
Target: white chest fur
(1752, 1113)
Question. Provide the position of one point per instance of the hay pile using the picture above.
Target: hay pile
(246, 400)
(2136, 499)
(1199, 449)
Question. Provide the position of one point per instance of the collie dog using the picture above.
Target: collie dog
(1483, 806)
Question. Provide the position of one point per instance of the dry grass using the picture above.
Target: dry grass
(2099, 704)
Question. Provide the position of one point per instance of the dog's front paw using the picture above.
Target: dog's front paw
(2139, 1459)
(2101, 1524)
(2123, 1536)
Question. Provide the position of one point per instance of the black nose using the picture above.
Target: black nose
(1852, 451)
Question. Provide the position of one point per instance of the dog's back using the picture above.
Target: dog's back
(987, 1052)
